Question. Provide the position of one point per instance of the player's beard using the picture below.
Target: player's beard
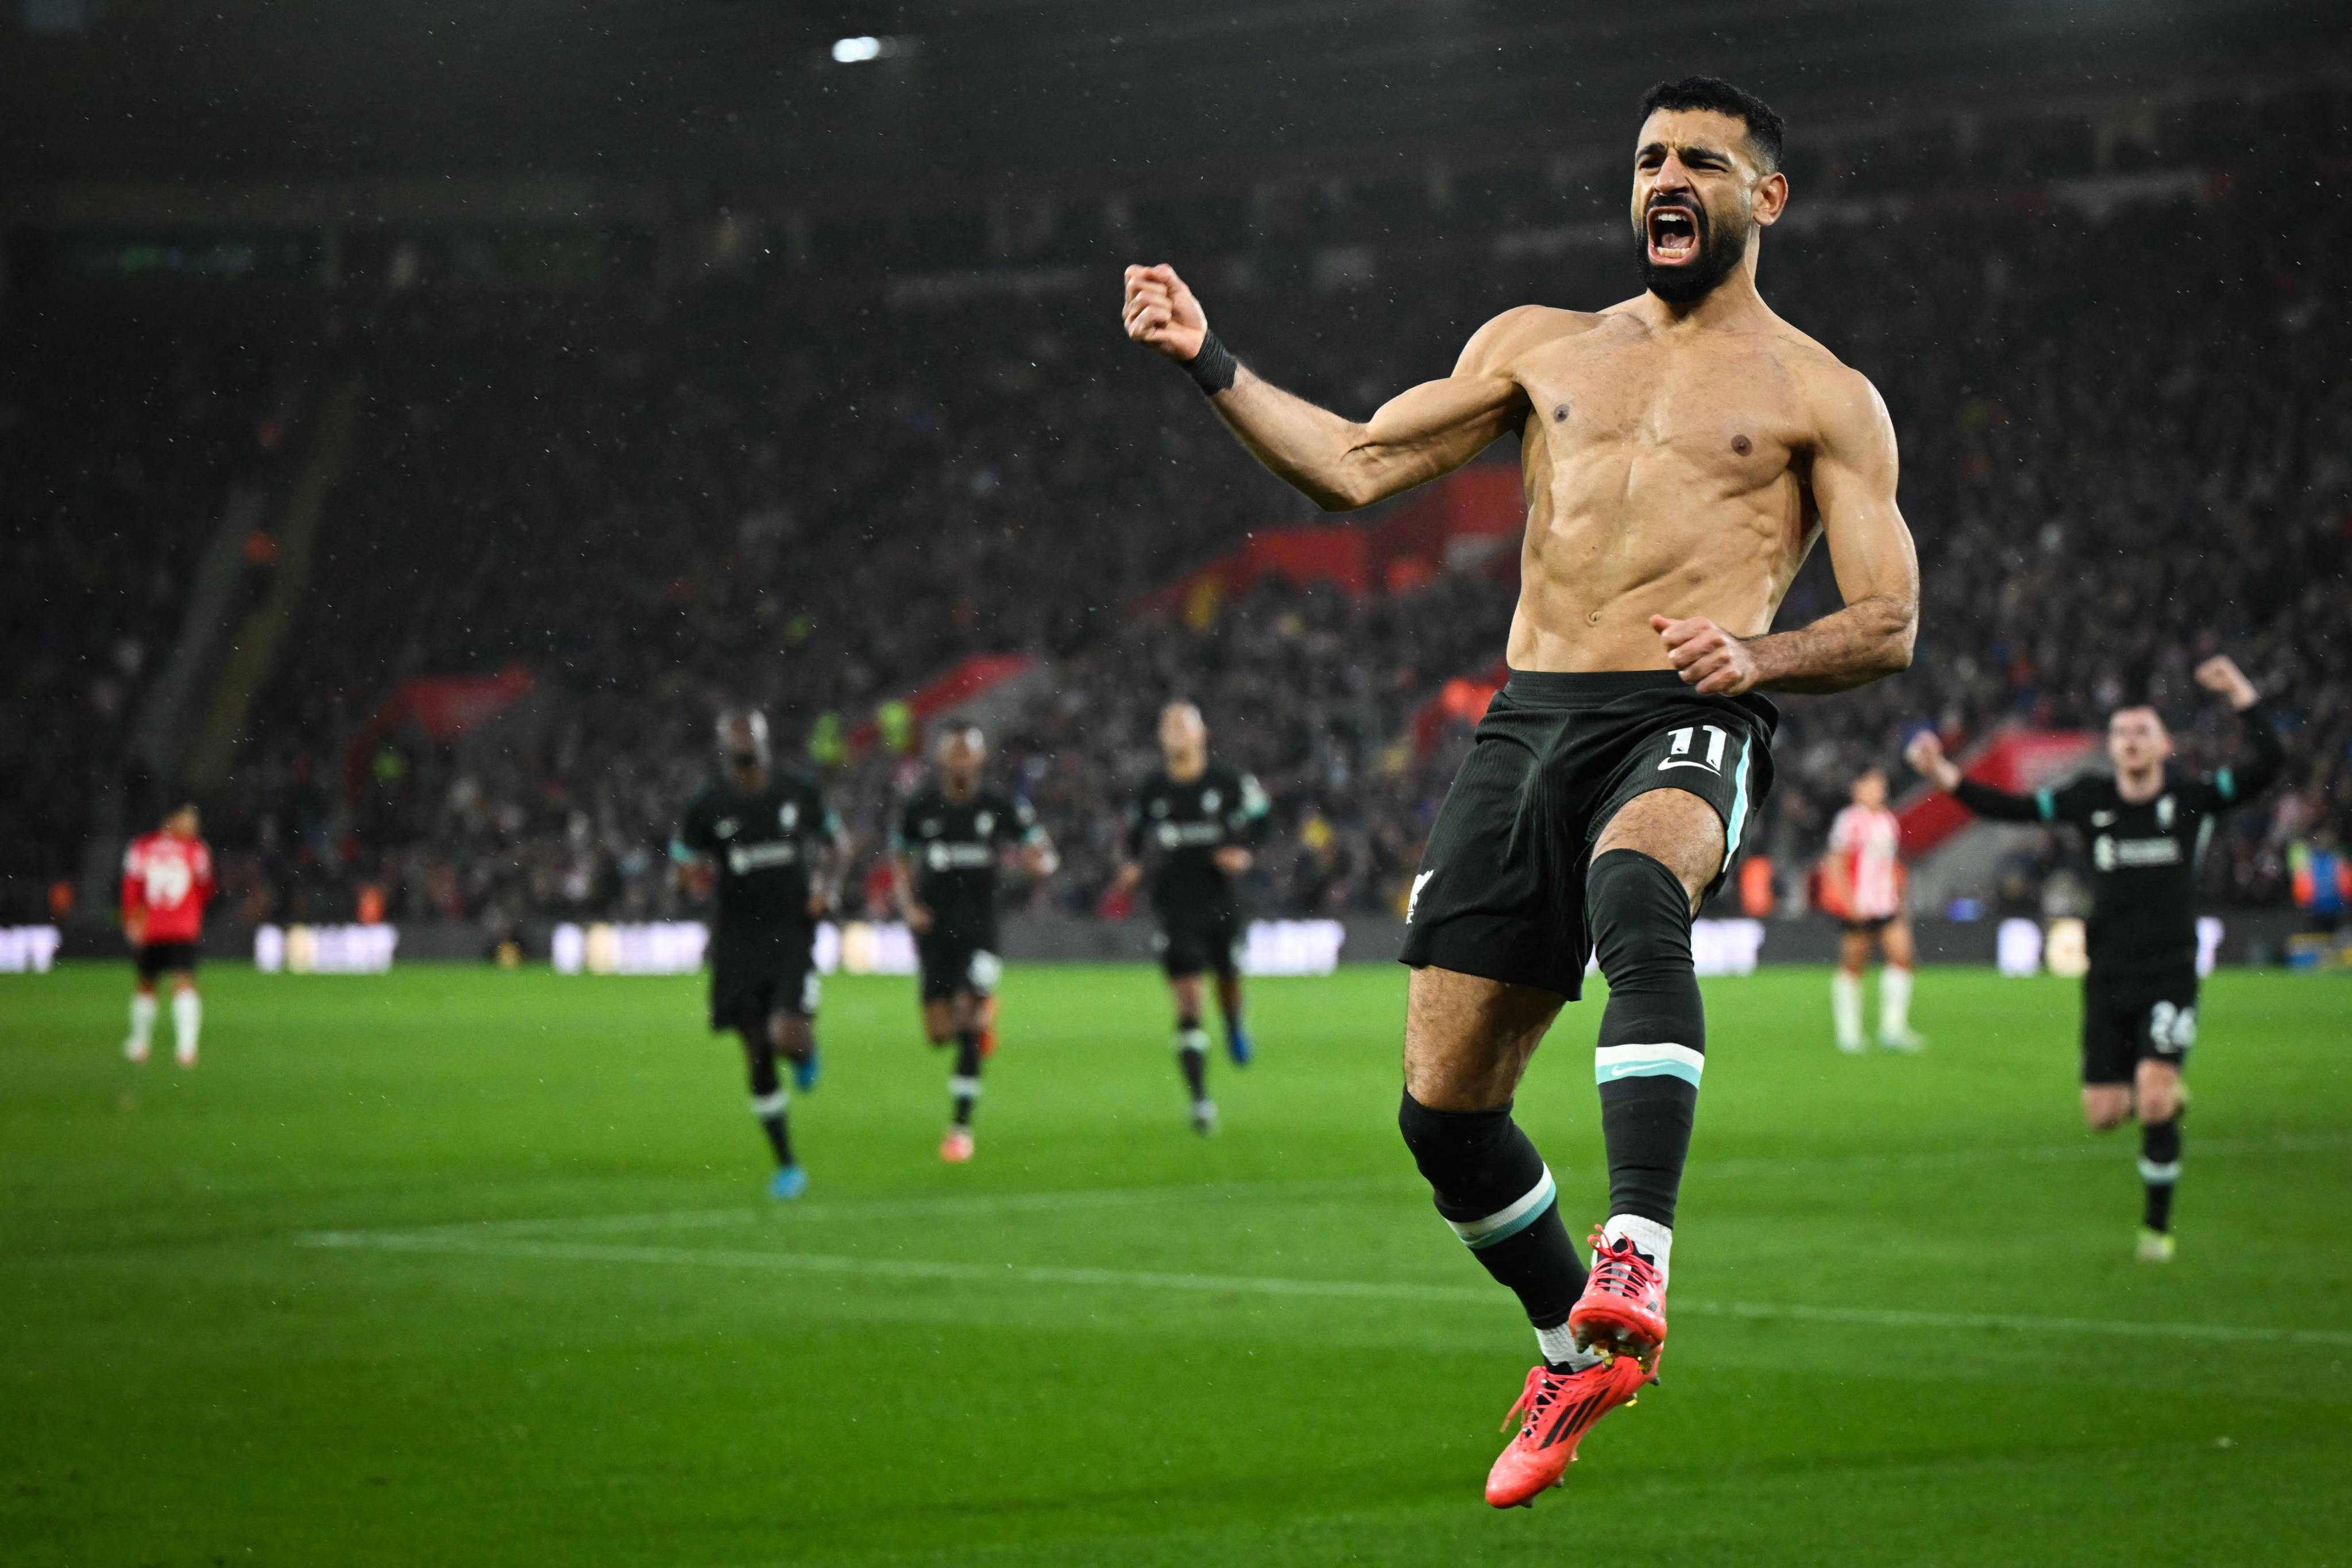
(1719, 250)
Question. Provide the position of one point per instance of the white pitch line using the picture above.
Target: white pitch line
(824, 1211)
(1262, 1285)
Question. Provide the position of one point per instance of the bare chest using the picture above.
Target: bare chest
(1726, 412)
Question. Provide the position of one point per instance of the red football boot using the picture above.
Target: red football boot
(1555, 1410)
(1624, 1308)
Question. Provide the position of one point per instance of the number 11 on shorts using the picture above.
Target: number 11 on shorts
(1678, 753)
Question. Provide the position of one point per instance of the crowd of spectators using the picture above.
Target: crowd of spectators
(2126, 436)
(120, 444)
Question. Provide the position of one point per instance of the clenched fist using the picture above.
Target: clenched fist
(1926, 753)
(2221, 673)
(1705, 656)
(1163, 313)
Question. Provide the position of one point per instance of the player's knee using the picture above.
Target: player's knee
(2105, 1108)
(1640, 919)
(1476, 1160)
(2158, 1096)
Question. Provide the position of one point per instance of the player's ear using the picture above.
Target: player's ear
(1772, 198)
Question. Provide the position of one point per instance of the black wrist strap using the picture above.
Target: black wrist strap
(1214, 368)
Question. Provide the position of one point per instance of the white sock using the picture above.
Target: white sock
(142, 1018)
(187, 1017)
(1893, 1001)
(1845, 1007)
(1560, 1348)
(1655, 1240)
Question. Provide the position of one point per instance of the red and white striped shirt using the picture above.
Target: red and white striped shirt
(1871, 841)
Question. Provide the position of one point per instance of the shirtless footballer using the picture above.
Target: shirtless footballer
(1682, 451)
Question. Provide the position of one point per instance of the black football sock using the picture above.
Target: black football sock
(768, 1096)
(1192, 1057)
(964, 1087)
(1493, 1189)
(2159, 1169)
(1653, 1043)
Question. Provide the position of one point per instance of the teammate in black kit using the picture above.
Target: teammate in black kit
(951, 839)
(1199, 819)
(777, 849)
(2147, 832)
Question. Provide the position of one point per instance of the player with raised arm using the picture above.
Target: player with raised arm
(167, 880)
(776, 848)
(952, 836)
(1197, 820)
(1682, 450)
(2147, 832)
(1863, 880)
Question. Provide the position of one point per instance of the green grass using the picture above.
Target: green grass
(562, 1326)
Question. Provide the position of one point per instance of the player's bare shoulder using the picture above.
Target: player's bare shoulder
(1843, 406)
(1506, 343)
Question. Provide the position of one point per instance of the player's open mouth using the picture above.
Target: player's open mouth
(1673, 235)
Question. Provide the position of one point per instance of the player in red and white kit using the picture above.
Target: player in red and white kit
(167, 879)
(1862, 884)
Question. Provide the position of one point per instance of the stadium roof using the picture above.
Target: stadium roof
(720, 93)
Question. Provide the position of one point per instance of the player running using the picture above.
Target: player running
(950, 840)
(1862, 878)
(777, 849)
(1682, 450)
(1199, 818)
(2148, 831)
(167, 880)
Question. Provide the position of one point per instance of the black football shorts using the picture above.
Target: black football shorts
(1198, 941)
(2128, 1018)
(1500, 892)
(758, 971)
(155, 958)
(958, 959)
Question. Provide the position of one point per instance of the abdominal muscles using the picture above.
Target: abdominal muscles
(1624, 531)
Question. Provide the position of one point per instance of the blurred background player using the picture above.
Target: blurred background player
(950, 840)
(1201, 818)
(1861, 883)
(167, 879)
(2147, 832)
(776, 848)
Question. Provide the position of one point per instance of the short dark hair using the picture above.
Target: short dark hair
(1765, 129)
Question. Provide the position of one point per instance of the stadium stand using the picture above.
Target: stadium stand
(2120, 454)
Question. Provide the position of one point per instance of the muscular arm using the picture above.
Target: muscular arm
(1854, 475)
(1431, 430)
(1854, 471)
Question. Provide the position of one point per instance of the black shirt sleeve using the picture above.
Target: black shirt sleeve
(1251, 813)
(2238, 784)
(1998, 803)
(2069, 803)
(1016, 822)
(693, 835)
(1134, 840)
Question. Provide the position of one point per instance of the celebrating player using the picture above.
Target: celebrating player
(949, 840)
(167, 879)
(1864, 880)
(2148, 832)
(1201, 816)
(1682, 451)
(777, 849)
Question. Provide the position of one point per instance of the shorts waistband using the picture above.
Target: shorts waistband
(1581, 689)
(1594, 687)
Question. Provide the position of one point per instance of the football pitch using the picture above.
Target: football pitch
(459, 1265)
